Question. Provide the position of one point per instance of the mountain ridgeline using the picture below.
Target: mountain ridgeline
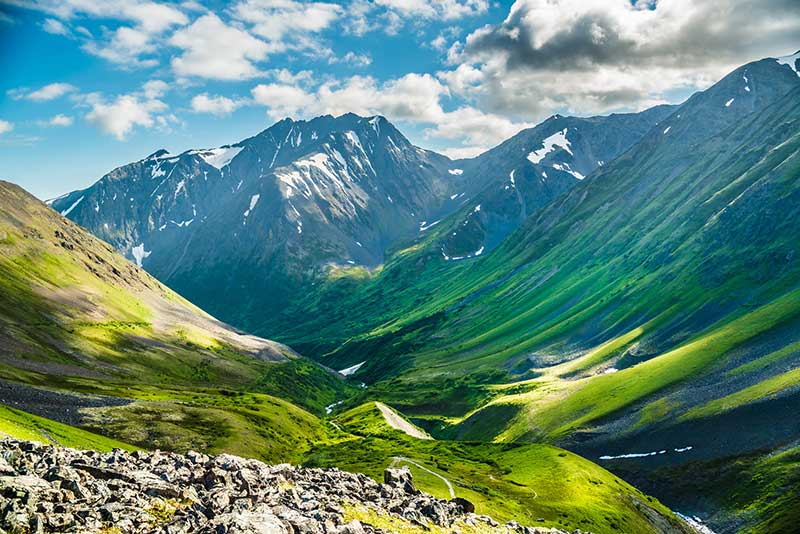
(627, 287)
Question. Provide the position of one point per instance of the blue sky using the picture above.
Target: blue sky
(89, 85)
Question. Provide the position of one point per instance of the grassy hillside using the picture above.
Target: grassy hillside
(77, 321)
(534, 484)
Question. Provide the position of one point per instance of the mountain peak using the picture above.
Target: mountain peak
(160, 153)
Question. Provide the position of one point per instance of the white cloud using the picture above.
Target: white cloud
(391, 15)
(213, 49)
(125, 46)
(352, 58)
(155, 88)
(276, 19)
(55, 27)
(48, 92)
(282, 100)
(595, 56)
(413, 98)
(121, 115)
(61, 120)
(5, 126)
(151, 16)
(216, 105)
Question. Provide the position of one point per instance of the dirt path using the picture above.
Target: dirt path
(396, 421)
(437, 475)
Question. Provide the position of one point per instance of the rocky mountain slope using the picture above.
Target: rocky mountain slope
(50, 489)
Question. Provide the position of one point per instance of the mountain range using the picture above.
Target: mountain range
(626, 287)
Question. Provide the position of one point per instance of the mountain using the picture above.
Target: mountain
(238, 229)
(245, 230)
(653, 307)
(526, 172)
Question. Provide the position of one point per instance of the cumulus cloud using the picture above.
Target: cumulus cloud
(46, 93)
(120, 115)
(60, 120)
(155, 88)
(56, 27)
(126, 44)
(274, 20)
(413, 98)
(216, 105)
(213, 49)
(390, 16)
(598, 55)
(150, 16)
(5, 126)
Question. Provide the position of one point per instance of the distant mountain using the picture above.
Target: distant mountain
(526, 172)
(239, 229)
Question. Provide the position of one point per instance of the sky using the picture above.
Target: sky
(89, 85)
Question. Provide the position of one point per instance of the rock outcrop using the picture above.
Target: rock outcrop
(52, 489)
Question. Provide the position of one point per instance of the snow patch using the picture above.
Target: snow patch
(558, 139)
(219, 157)
(424, 225)
(696, 523)
(645, 454)
(139, 253)
(566, 168)
(253, 202)
(351, 370)
(74, 205)
(791, 61)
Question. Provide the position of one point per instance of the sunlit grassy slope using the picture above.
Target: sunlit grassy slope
(77, 317)
(534, 484)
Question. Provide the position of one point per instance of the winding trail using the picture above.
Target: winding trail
(396, 421)
(437, 475)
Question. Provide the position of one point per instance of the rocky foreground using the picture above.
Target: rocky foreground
(53, 489)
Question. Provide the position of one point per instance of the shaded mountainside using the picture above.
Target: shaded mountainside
(99, 355)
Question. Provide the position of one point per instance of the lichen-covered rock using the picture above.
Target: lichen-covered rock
(46, 489)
